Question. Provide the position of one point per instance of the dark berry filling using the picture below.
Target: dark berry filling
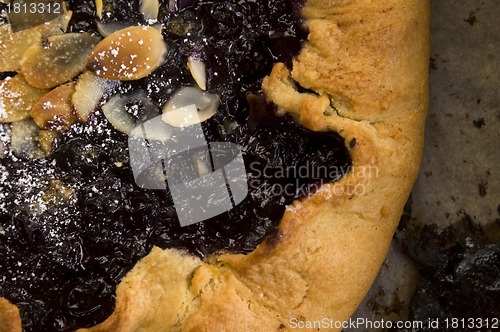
(74, 223)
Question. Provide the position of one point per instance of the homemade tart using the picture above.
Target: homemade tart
(353, 100)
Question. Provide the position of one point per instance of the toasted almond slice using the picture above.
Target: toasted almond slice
(88, 92)
(14, 44)
(153, 130)
(46, 138)
(58, 60)
(24, 139)
(128, 54)
(54, 111)
(190, 106)
(98, 8)
(198, 71)
(17, 98)
(172, 5)
(149, 9)
(184, 116)
(115, 110)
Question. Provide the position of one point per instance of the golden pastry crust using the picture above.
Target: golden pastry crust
(9, 317)
(367, 61)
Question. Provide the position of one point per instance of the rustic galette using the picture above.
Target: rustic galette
(322, 103)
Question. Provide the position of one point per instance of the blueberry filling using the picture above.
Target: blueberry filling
(74, 223)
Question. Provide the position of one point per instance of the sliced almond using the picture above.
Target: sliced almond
(57, 60)
(115, 110)
(88, 92)
(128, 54)
(14, 44)
(190, 106)
(54, 111)
(46, 138)
(182, 117)
(98, 8)
(17, 98)
(153, 130)
(149, 9)
(172, 5)
(24, 139)
(197, 69)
